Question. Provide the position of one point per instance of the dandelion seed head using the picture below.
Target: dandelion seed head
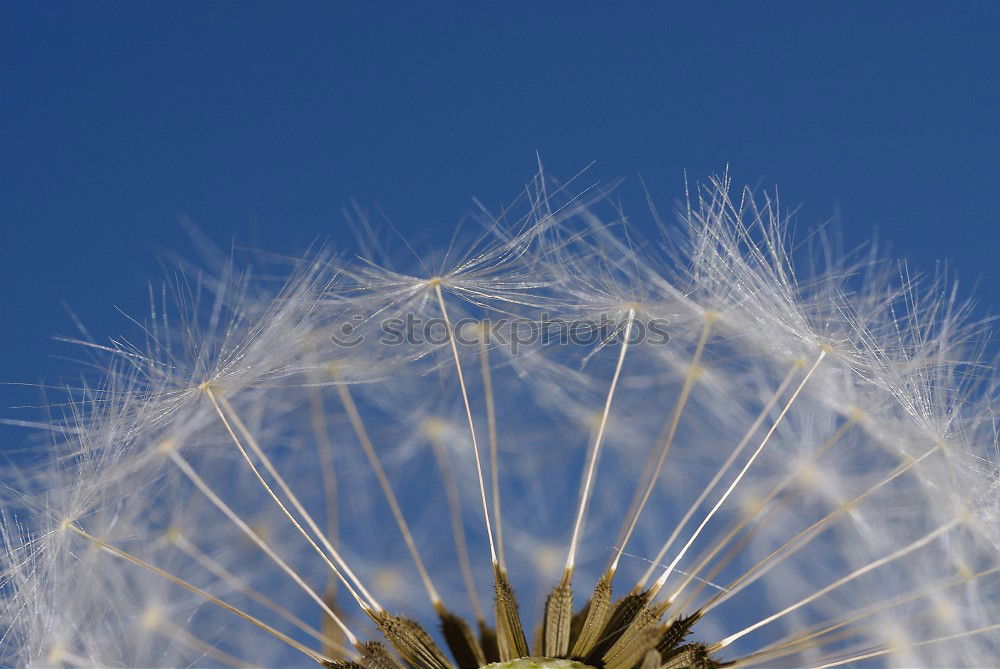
(802, 472)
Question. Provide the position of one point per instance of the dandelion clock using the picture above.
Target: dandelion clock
(551, 444)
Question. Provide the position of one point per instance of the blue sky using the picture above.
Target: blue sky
(261, 121)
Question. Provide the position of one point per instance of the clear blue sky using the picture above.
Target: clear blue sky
(262, 120)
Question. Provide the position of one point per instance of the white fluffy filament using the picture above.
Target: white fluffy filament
(895, 555)
(468, 414)
(595, 452)
(739, 477)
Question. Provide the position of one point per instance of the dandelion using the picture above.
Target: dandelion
(550, 445)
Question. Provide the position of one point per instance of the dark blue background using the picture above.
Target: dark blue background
(261, 121)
